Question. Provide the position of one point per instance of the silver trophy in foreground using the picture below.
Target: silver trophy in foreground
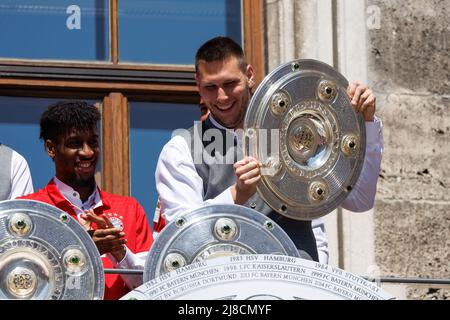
(46, 254)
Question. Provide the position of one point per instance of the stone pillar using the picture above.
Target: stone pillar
(357, 247)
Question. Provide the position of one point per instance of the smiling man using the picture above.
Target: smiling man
(118, 225)
(225, 82)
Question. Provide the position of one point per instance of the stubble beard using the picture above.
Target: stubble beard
(84, 182)
(239, 123)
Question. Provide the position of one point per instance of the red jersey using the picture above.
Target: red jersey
(124, 210)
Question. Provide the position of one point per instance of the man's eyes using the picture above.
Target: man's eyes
(73, 144)
(79, 144)
(93, 144)
(230, 84)
(225, 85)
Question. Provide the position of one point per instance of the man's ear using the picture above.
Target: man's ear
(197, 79)
(50, 147)
(249, 72)
(199, 64)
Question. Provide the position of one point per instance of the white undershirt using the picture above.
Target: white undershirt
(180, 188)
(21, 182)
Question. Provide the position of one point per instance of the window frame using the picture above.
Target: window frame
(116, 83)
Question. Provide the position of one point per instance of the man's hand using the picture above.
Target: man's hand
(362, 99)
(248, 174)
(107, 238)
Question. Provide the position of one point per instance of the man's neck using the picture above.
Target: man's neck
(217, 124)
(84, 191)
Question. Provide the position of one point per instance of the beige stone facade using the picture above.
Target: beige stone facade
(402, 50)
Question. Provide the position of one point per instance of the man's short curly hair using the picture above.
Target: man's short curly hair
(63, 117)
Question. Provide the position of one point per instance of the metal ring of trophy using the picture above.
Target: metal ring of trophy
(46, 254)
(311, 142)
(215, 231)
(258, 277)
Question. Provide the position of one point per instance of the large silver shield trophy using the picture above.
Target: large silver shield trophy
(301, 126)
(215, 231)
(46, 254)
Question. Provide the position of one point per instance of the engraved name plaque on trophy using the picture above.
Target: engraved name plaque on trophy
(258, 277)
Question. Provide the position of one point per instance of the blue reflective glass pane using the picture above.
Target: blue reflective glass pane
(151, 126)
(170, 31)
(19, 129)
(55, 29)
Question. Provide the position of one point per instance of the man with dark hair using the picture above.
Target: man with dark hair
(118, 225)
(225, 83)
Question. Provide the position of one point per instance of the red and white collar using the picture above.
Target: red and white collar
(94, 200)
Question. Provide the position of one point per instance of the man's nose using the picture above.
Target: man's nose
(87, 150)
(221, 95)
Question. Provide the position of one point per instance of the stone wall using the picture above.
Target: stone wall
(406, 62)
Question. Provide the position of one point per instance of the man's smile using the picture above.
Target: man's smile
(85, 166)
(225, 107)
